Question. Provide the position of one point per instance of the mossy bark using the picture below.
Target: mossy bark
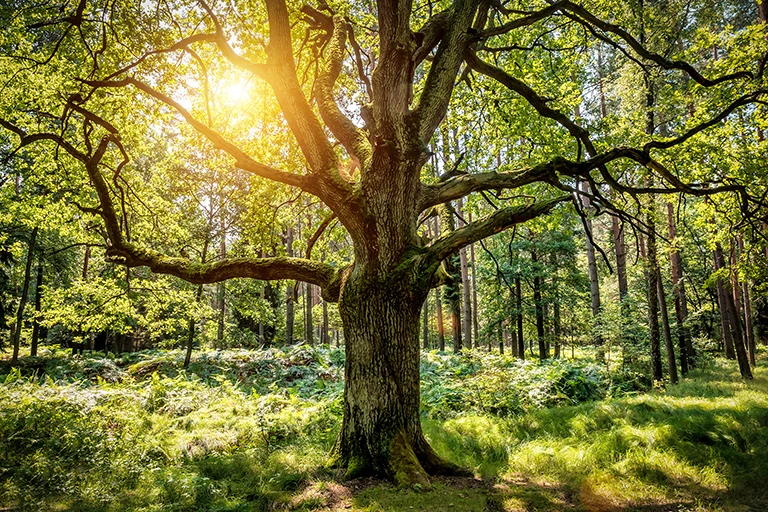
(381, 432)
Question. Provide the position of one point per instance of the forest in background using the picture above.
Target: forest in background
(570, 202)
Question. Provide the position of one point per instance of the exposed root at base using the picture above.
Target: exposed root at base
(405, 466)
(403, 462)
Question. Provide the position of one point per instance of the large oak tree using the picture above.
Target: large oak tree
(363, 151)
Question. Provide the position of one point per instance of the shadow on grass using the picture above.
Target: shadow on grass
(703, 441)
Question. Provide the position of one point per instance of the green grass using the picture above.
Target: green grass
(704, 441)
(246, 431)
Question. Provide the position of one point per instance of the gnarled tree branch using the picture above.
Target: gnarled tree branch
(490, 225)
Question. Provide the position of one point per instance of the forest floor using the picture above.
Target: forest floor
(250, 430)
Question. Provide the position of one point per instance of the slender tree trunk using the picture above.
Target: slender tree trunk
(750, 331)
(191, 322)
(440, 325)
(735, 286)
(86, 261)
(620, 249)
(438, 303)
(221, 292)
(513, 339)
(722, 299)
(326, 338)
(519, 315)
(681, 304)
(425, 324)
(667, 333)
(652, 260)
(762, 16)
(190, 330)
(309, 330)
(539, 307)
(289, 291)
(452, 290)
(23, 298)
(557, 327)
(594, 282)
(735, 323)
(475, 323)
(504, 336)
(466, 291)
(652, 275)
(38, 298)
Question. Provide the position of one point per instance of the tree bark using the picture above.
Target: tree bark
(466, 309)
(440, 325)
(325, 336)
(519, 318)
(309, 329)
(681, 304)
(539, 307)
(221, 292)
(722, 300)
(594, 279)
(652, 276)
(620, 250)
(190, 331)
(438, 302)
(475, 320)
(191, 322)
(452, 289)
(425, 324)
(750, 331)
(667, 333)
(24, 293)
(86, 261)
(38, 297)
(557, 327)
(381, 432)
(734, 322)
(290, 316)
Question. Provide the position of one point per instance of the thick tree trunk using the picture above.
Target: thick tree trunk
(671, 363)
(681, 303)
(381, 432)
(38, 299)
(24, 293)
